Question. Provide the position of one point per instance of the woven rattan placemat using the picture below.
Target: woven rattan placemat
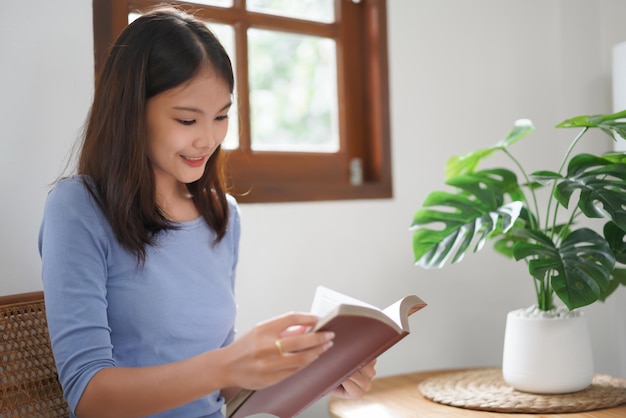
(485, 390)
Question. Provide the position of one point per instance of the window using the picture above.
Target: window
(312, 93)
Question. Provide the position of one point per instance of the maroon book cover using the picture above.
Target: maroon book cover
(361, 334)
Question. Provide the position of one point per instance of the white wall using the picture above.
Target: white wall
(46, 83)
(460, 73)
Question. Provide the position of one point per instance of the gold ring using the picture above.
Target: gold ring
(279, 347)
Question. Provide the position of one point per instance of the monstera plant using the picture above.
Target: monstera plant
(566, 255)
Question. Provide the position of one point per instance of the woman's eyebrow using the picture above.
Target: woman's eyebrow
(198, 110)
(189, 109)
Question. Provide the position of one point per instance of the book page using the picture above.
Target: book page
(394, 312)
(400, 311)
(325, 300)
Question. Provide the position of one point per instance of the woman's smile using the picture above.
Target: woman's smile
(194, 161)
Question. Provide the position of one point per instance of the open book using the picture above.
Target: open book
(362, 333)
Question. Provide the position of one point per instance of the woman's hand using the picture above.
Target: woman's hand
(273, 350)
(253, 361)
(357, 384)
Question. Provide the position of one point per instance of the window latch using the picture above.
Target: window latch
(356, 172)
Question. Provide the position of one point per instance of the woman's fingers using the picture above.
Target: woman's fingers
(290, 321)
(289, 334)
(292, 361)
(295, 330)
(357, 384)
(275, 349)
(297, 351)
(301, 342)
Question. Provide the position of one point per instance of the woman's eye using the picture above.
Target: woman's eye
(222, 117)
(186, 122)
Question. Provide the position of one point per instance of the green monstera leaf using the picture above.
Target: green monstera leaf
(471, 215)
(615, 237)
(617, 278)
(579, 269)
(612, 124)
(505, 243)
(468, 163)
(599, 181)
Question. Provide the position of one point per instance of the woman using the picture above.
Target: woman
(139, 248)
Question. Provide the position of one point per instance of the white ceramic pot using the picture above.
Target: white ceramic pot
(547, 354)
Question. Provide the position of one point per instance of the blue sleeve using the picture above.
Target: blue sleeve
(73, 244)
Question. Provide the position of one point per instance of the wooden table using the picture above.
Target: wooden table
(398, 397)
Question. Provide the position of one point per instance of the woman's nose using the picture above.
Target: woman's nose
(206, 137)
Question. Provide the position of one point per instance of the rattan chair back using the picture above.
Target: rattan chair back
(29, 386)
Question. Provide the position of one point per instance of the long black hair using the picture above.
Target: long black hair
(160, 50)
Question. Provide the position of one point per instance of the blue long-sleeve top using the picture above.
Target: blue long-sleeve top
(104, 310)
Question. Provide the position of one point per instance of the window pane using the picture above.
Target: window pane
(293, 92)
(219, 3)
(226, 35)
(317, 10)
(132, 17)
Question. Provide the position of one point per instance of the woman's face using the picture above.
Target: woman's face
(185, 125)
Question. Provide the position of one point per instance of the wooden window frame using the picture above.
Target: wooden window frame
(360, 31)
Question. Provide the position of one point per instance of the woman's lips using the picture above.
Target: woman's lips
(193, 161)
